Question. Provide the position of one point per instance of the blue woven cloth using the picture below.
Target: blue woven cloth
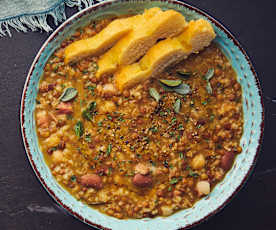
(32, 14)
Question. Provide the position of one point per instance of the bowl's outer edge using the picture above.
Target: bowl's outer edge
(54, 34)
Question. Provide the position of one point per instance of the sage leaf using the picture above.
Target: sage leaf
(153, 92)
(166, 88)
(182, 89)
(171, 83)
(79, 129)
(177, 106)
(183, 74)
(209, 88)
(68, 94)
(209, 74)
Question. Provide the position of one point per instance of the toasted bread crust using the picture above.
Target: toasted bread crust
(198, 35)
(151, 27)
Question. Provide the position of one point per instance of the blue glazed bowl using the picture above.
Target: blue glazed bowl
(222, 193)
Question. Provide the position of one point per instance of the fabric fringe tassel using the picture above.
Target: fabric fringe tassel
(36, 22)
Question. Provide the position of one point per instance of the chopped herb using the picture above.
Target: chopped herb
(166, 164)
(146, 139)
(87, 115)
(174, 181)
(109, 117)
(178, 138)
(100, 123)
(204, 103)
(162, 113)
(87, 138)
(173, 121)
(79, 129)
(170, 188)
(181, 155)
(212, 117)
(177, 106)
(109, 148)
(120, 118)
(191, 172)
(154, 129)
(153, 92)
(180, 127)
(85, 71)
(199, 126)
(138, 155)
(73, 178)
(90, 111)
(172, 134)
(52, 149)
(68, 94)
(91, 89)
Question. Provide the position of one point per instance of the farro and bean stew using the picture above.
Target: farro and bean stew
(149, 150)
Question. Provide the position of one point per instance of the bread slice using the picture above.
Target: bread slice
(163, 24)
(106, 38)
(162, 54)
(198, 35)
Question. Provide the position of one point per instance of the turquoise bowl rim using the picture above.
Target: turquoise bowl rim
(255, 137)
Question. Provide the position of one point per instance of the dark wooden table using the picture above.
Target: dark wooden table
(25, 205)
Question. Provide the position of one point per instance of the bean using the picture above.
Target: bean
(227, 160)
(203, 187)
(140, 180)
(91, 180)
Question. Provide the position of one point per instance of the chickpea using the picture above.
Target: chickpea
(198, 161)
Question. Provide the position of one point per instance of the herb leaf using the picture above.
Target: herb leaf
(177, 106)
(209, 74)
(171, 83)
(68, 94)
(183, 89)
(182, 74)
(207, 77)
(209, 88)
(153, 92)
(79, 129)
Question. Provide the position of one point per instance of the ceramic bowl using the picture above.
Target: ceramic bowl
(222, 193)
